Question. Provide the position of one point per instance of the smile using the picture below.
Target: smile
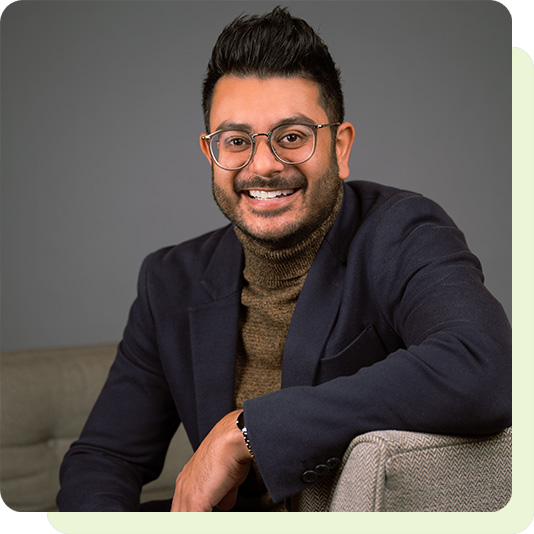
(269, 195)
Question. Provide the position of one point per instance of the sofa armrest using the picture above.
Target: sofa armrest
(396, 471)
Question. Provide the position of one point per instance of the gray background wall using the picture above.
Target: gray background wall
(100, 123)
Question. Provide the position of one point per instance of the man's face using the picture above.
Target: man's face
(307, 192)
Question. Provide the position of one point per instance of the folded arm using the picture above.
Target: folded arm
(452, 376)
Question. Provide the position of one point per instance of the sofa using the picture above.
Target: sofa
(395, 471)
(46, 395)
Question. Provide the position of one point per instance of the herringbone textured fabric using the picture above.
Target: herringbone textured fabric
(394, 471)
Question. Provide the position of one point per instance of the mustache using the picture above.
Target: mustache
(297, 181)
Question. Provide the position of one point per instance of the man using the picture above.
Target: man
(326, 308)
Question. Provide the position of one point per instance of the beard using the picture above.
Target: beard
(320, 199)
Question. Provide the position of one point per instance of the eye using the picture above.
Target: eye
(293, 136)
(234, 141)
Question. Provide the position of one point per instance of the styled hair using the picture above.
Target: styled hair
(274, 44)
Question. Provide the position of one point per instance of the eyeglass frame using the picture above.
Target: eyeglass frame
(314, 128)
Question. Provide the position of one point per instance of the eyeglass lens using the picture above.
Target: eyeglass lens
(292, 143)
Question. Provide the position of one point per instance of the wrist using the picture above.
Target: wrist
(240, 423)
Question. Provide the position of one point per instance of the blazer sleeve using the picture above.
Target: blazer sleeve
(452, 376)
(125, 439)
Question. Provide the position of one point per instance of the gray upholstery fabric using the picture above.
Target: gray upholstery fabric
(46, 396)
(394, 471)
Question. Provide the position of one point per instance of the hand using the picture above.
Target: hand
(216, 470)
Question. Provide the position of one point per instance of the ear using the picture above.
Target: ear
(205, 148)
(344, 141)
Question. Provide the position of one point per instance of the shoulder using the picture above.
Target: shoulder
(188, 261)
(197, 249)
(405, 232)
(381, 206)
(399, 227)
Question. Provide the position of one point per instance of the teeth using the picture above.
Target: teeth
(267, 195)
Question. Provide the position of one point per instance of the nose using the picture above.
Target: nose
(264, 162)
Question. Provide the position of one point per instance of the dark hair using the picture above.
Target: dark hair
(274, 44)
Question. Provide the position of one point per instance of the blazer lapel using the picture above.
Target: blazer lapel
(214, 329)
(313, 319)
(318, 305)
(214, 323)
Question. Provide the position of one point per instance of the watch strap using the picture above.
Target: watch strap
(241, 425)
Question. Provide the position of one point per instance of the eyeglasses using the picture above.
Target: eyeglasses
(291, 144)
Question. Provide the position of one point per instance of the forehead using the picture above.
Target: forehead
(263, 102)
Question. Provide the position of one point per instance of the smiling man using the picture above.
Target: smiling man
(326, 309)
(278, 186)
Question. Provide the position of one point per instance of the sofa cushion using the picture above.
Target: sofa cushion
(46, 396)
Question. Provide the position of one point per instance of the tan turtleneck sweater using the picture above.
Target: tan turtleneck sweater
(273, 281)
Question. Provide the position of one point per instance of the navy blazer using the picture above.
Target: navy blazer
(393, 329)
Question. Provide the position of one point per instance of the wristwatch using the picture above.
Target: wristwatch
(241, 425)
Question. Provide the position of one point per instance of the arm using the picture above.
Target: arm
(124, 442)
(453, 374)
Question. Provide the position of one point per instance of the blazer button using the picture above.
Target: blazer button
(309, 477)
(322, 470)
(333, 463)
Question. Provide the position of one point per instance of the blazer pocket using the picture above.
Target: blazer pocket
(364, 351)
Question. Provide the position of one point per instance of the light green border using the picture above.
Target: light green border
(517, 515)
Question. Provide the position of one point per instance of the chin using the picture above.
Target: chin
(285, 236)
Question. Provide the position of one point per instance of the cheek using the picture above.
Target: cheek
(320, 162)
(224, 180)
(315, 172)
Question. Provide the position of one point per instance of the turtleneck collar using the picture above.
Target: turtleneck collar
(283, 267)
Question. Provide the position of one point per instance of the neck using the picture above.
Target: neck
(279, 264)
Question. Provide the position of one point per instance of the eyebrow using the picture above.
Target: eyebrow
(298, 118)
